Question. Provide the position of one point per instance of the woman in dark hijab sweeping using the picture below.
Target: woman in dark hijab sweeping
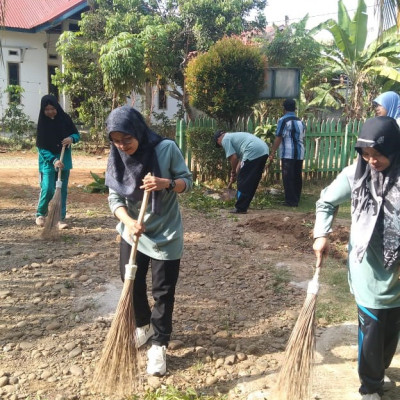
(55, 129)
(135, 151)
(372, 184)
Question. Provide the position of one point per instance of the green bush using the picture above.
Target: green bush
(210, 159)
(225, 82)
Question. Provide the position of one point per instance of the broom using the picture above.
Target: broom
(50, 230)
(294, 378)
(118, 370)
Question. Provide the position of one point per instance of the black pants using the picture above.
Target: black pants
(247, 181)
(292, 180)
(164, 275)
(378, 335)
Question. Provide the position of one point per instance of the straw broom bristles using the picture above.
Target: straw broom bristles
(118, 369)
(294, 378)
(50, 229)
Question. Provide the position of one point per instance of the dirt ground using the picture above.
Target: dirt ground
(241, 286)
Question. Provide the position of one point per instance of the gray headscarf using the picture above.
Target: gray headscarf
(376, 195)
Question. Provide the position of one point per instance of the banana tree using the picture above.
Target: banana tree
(359, 65)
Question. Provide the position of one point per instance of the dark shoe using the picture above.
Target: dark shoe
(236, 211)
(289, 205)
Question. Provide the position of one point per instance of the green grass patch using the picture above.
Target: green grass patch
(170, 393)
(335, 302)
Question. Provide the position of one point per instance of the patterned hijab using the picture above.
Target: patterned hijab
(376, 195)
(125, 172)
(50, 132)
(390, 101)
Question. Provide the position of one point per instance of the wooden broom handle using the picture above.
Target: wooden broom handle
(318, 266)
(140, 219)
(61, 159)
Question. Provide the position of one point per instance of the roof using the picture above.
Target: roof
(37, 15)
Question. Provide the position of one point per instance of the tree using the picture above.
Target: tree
(158, 35)
(358, 65)
(226, 81)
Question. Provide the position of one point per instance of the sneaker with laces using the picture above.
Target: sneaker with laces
(371, 396)
(157, 360)
(63, 225)
(40, 220)
(143, 334)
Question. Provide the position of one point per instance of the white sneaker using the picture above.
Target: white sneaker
(143, 334)
(157, 360)
(373, 396)
(40, 220)
(388, 383)
(63, 225)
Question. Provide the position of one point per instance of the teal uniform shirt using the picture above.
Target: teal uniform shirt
(163, 238)
(47, 158)
(245, 145)
(371, 284)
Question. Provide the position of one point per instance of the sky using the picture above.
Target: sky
(318, 11)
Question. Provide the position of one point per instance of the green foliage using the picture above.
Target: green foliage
(210, 159)
(266, 132)
(358, 65)
(294, 46)
(170, 393)
(98, 185)
(226, 81)
(14, 120)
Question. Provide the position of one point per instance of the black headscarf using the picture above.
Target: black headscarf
(50, 132)
(376, 195)
(125, 172)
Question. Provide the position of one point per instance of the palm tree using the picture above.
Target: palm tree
(358, 65)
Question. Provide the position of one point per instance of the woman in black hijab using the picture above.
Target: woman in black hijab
(55, 129)
(372, 184)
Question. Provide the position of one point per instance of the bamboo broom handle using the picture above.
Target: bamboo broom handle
(140, 219)
(61, 159)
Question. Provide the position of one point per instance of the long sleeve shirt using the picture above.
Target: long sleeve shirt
(371, 284)
(47, 158)
(163, 238)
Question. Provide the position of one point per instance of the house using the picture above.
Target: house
(28, 41)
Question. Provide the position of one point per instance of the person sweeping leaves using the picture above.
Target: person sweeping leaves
(55, 129)
(136, 151)
(372, 184)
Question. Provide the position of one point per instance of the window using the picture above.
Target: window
(13, 73)
(13, 79)
(51, 70)
(162, 98)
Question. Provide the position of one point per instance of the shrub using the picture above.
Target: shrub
(225, 82)
(210, 160)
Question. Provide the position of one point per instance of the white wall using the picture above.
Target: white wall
(33, 57)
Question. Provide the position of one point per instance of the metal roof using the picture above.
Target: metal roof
(36, 15)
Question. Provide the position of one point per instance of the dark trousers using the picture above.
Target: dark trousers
(164, 275)
(247, 181)
(378, 335)
(292, 180)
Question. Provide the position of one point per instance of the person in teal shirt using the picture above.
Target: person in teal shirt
(247, 155)
(55, 129)
(372, 184)
(136, 151)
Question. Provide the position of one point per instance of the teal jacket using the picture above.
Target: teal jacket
(47, 158)
(163, 238)
(371, 284)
